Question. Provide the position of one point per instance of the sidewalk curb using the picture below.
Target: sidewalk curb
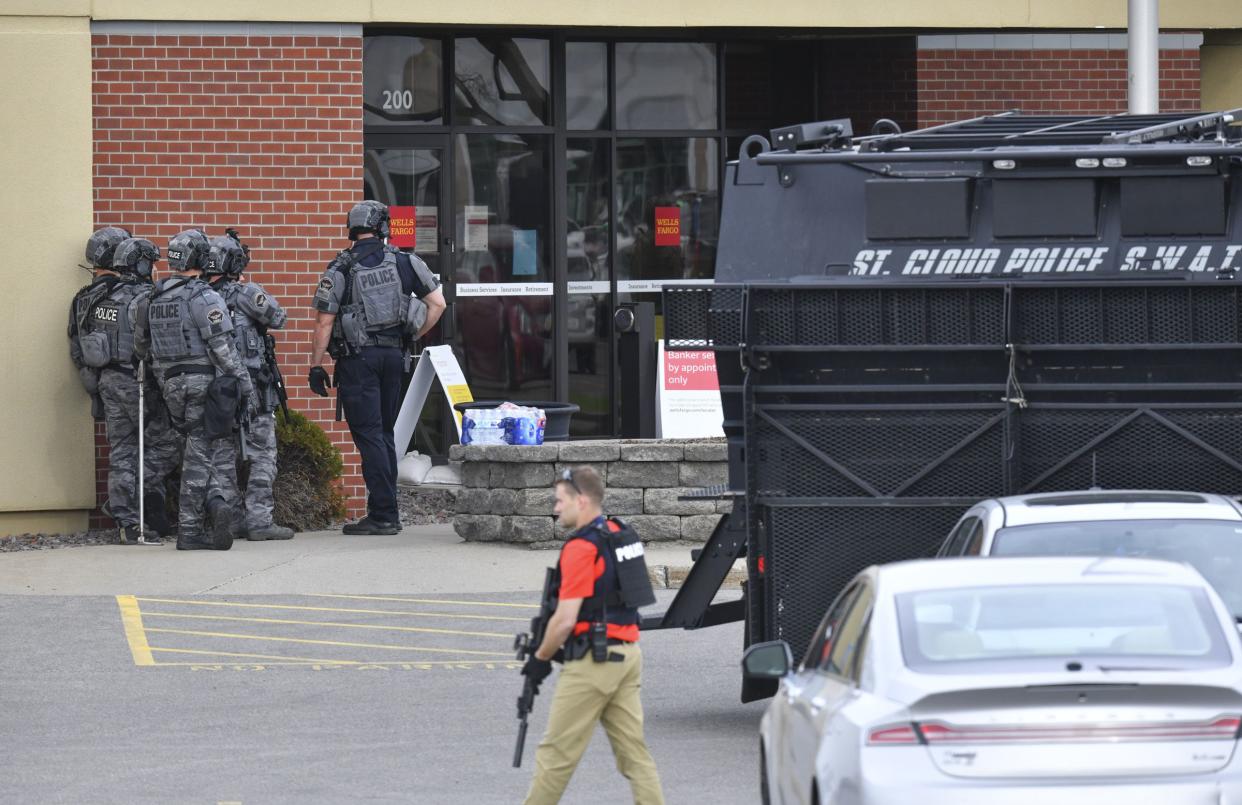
(671, 577)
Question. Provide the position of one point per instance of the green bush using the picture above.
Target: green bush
(306, 491)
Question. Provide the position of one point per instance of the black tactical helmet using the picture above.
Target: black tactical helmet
(102, 245)
(187, 250)
(228, 255)
(368, 216)
(135, 256)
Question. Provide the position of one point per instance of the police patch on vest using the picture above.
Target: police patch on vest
(215, 315)
(105, 314)
(175, 254)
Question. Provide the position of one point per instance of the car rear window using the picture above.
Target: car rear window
(1213, 547)
(1108, 626)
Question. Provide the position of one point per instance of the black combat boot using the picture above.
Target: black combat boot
(269, 531)
(130, 535)
(370, 526)
(157, 516)
(223, 523)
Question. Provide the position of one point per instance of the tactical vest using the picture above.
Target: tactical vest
(245, 330)
(624, 586)
(376, 307)
(174, 337)
(104, 332)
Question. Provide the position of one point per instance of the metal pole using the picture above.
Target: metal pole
(142, 422)
(1144, 67)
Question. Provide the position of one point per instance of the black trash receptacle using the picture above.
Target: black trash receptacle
(555, 429)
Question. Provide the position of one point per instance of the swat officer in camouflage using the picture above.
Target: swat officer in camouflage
(373, 301)
(101, 345)
(254, 312)
(185, 327)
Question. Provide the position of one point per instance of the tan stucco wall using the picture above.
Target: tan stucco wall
(47, 446)
(1189, 14)
(1220, 65)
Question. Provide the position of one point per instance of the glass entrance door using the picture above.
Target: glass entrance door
(410, 175)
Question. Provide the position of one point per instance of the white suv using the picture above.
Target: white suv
(1202, 530)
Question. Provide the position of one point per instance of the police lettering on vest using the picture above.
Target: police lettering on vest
(105, 337)
(182, 315)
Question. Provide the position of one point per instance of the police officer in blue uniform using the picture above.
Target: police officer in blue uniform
(372, 302)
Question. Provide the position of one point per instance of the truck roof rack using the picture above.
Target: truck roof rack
(1017, 129)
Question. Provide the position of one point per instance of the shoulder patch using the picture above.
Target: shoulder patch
(260, 300)
(326, 283)
(215, 315)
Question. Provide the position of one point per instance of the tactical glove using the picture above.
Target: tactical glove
(537, 669)
(319, 381)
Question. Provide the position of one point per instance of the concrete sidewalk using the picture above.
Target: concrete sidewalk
(421, 559)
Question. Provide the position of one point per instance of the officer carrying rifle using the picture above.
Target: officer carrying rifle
(600, 581)
(254, 311)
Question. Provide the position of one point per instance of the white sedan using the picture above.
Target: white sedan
(1202, 530)
(1034, 680)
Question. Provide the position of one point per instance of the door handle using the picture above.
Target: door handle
(451, 244)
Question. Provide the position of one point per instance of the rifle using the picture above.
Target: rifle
(526, 644)
(278, 379)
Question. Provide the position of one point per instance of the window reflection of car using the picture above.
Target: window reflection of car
(587, 253)
(507, 339)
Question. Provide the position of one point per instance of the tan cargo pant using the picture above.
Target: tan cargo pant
(587, 692)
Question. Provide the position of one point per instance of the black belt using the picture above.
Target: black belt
(188, 369)
(120, 367)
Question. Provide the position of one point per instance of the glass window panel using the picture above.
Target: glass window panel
(666, 85)
(586, 85)
(498, 80)
(409, 177)
(666, 177)
(401, 80)
(589, 305)
(503, 264)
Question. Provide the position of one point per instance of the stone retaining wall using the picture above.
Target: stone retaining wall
(507, 495)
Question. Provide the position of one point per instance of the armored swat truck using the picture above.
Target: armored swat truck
(905, 323)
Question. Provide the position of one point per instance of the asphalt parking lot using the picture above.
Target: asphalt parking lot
(332, 697)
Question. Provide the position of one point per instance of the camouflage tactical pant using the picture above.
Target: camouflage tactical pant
(261, 451)
(209, 466)
(161, 445)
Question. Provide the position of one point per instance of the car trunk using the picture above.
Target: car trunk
(1086, 730)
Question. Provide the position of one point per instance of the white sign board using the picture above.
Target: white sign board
(688, 395)
(434, 362)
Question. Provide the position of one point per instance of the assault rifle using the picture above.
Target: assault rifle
(526, 644)
(273, 368)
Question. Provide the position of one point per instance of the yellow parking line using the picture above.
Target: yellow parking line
(420, 629)
(328, 642)
(284, 659)
(422, 600)
(131, 618)
(337, 609)
(304, 663)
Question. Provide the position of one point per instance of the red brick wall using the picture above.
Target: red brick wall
(957, 84)
(262, 133)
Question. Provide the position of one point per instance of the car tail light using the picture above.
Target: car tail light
(894, 735)
(1219, 728)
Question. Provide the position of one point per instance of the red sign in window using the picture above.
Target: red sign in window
(401, 227)
(668, 226)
